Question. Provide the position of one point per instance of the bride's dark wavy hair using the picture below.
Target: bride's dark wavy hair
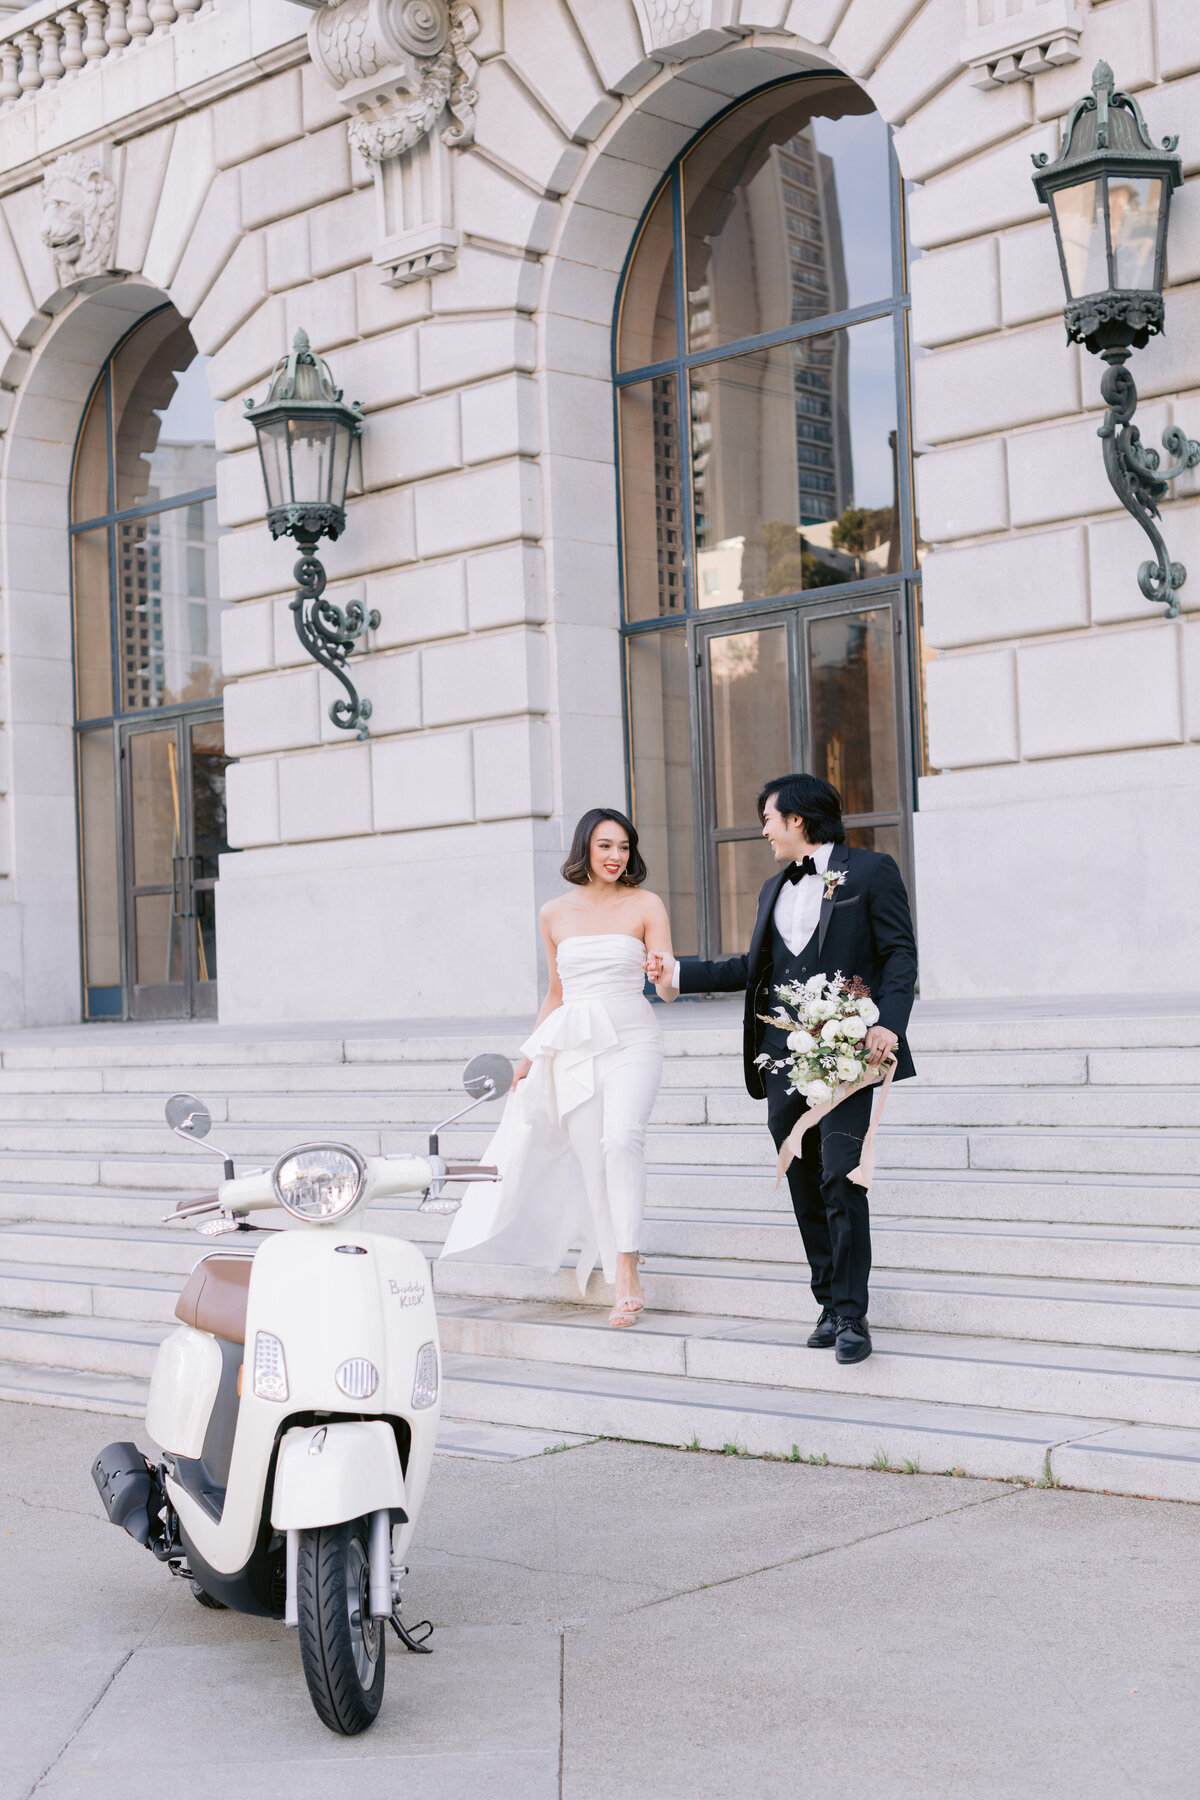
(578, 866)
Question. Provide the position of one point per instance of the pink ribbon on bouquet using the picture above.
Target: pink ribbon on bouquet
(860, 1176)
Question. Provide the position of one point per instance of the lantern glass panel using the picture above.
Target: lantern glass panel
(1134, 206)
(311, 442)
(343, 438)
(1079, 215)
(272, 443)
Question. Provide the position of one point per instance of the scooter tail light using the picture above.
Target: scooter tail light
(425, 1381)
(270, 1368)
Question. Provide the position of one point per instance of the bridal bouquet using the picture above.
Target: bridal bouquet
(826, 1021)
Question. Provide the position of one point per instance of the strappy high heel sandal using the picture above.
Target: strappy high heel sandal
(626, 1312)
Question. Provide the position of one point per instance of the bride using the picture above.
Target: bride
(571, 1145)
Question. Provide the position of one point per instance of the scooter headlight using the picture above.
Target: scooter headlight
(318, 1181)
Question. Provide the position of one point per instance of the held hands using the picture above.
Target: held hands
(521, 1071)
(879, 1040)
(655, 966)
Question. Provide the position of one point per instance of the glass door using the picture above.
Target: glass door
(173, 807)
(818, 688)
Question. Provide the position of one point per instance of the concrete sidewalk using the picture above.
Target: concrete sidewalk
(617, 1619)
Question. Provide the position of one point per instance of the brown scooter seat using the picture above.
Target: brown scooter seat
(215, 1296)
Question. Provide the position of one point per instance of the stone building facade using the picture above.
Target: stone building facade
(459, 204)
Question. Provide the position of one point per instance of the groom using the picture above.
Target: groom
(804, 927)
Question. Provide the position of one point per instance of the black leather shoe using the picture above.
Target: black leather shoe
(824, 1335)
(853, 1341)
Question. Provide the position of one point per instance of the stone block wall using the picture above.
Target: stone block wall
(482, 522)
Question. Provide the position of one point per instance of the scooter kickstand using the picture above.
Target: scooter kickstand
(418, 1645)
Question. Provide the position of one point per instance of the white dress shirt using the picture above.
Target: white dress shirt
(798, 908)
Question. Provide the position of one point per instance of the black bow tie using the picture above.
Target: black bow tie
(798, 870)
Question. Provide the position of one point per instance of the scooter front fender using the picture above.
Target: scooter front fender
(327, 1474)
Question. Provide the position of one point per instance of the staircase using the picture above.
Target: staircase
(1035, 1298)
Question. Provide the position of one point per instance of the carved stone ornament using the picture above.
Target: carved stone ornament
(1021, 39)
(676, 30)
(79, 213)
(402, 69)
(398, 66)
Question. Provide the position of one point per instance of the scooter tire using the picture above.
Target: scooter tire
(204, 1598)
(342, 1649)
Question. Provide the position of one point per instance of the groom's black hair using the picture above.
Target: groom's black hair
(809, 798)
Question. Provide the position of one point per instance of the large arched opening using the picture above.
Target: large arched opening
(763, 539)
(148, 722)
(765, 493)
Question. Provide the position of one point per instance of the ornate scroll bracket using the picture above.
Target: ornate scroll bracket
(79, 214)
(329, 633)
(404, 71)
(1140, 484)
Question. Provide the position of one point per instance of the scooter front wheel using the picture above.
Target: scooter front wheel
(341, 1645)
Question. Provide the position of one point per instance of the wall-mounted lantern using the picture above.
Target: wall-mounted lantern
(306, 431)
(1109, 195)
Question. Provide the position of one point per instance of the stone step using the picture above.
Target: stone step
(680, 1409)
(1112, 1029)
(1120, 1314)
(1070, 1253)
(1152, 1200)
(1154, 1387)
(1122, 1108)
(849, 1428)
(134, 1115)
(124, 1347)
(170, 1250)
(85, 1291)
(721, 1070)
(1167, 1200)
(80, 1391)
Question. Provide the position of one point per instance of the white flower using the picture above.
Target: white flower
(848, 1068)
(831, 1031)
(815, 984)
(868, 1011)
(801, 1040)
(854, 1027)
(816, 1091)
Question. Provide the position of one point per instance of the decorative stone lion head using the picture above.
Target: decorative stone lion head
(79, 210)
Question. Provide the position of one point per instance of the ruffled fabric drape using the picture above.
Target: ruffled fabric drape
(596, 1065)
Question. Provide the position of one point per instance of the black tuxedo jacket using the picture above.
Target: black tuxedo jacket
(864, 930)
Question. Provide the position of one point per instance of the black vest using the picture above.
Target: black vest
(787, 965)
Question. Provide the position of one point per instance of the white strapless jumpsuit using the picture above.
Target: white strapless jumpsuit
(570, 1148)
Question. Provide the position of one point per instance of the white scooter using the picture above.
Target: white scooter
(297, 1405)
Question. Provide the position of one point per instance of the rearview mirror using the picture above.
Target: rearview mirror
(188, 1116)
(487, 1074)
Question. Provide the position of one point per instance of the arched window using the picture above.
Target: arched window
(766, 519)
(147, 638)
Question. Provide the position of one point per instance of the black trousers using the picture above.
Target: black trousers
(831, 1211)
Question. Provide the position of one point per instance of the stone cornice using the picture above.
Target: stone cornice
(162, 112)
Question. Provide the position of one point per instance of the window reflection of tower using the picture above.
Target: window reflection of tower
(667, 497)
(140, 587)
(816, 263)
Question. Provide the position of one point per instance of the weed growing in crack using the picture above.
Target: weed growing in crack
(821, 1461)
(879, 1461)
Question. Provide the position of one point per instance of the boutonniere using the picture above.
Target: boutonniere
(833, 879)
